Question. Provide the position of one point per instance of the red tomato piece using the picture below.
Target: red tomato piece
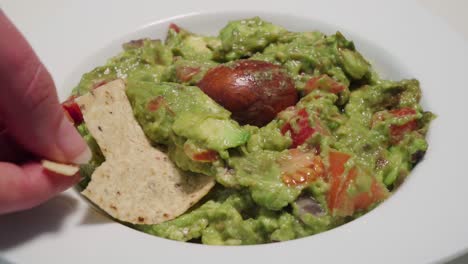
(73, 111)
(324, 83)
(339, 201)
(155, 104)
(205, 156)
(304, 130)
(301, 167)
(397, 132)
(198, 154)
(337, 162)
(364, 200)
(185, 73)
(174, 27)
(405, 111)
(344, 204)
(285, 128)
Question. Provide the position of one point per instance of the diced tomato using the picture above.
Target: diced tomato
(338, 198)
(198, 154)
(405, 111)
(301, 167)
(300, 137)
(304, 131)
(397, 132)
(186, 73)
(206, 156)
(285, 128)
(364, 200)
(324, 83)
(300, 128)
(157, 103)
(337, 161)
(344, 205)
(73, 111)
(336, 168)
(174, 27)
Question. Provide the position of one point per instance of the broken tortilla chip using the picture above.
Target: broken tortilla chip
(60, 168)
(137, 183)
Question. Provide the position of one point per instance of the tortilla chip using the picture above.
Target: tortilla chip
(137, 183)
(60, 168)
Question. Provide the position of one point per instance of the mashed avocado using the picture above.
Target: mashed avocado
(349, 141)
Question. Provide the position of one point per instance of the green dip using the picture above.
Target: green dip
(350, 141)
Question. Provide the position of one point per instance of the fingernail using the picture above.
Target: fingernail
(72, 145)
(84, 157)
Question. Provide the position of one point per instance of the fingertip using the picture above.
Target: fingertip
(70, 142)
(23, 187)
(52, 183)
(84, 157)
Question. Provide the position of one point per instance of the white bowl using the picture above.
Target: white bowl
(424, 221)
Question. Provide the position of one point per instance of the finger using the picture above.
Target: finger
(10, 151)
(29, 104)
(29, 185)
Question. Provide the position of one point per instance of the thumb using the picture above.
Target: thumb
(29, 105)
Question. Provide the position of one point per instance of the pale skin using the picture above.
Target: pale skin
(33, 126)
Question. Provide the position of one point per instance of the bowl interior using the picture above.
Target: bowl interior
(211, 23)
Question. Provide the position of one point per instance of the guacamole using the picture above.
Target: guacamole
(299, 131)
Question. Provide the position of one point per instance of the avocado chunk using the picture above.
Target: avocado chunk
(243, 38)
(216, 134)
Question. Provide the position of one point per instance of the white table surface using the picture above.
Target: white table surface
(453, 12)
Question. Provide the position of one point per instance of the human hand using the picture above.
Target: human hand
(32, 126)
